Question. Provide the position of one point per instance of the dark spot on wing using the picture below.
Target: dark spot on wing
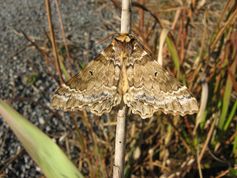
(91, 73)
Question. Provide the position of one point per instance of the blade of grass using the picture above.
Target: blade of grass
(63, 31)
(49, 157)
(235, 147)
(163, 36)
(174, 54)
(231, 116)
(226, 98)
(53, 41)
(229, 22)
(209, 135)
(202, 110)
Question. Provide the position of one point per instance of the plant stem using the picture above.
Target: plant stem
(118, 168)
(53, 41)
(120, 139)
(125, 16)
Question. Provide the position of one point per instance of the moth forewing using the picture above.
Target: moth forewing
(94, 88)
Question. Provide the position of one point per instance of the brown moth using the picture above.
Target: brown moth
(125, 72)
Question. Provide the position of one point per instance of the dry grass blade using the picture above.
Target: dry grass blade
(229, 22)
(163, 36)
(210, 132)
(63, 32)
(203, 105)
(53, 41)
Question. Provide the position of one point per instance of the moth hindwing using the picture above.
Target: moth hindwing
(125, 71)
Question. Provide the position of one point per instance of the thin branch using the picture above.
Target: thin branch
(120, 137)
(209, 135)
(53, 42)
(143, 7)
(125, 16)
(63, 31)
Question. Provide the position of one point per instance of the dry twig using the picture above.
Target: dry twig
(52, 39)
(118, 168)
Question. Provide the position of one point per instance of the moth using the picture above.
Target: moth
(125, 73)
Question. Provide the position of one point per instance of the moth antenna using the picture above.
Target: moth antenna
(108, 37)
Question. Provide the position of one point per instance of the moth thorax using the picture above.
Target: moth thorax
(123, 81)
(122, 50)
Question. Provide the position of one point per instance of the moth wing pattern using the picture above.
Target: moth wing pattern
(151, 88)
(94, 88)
(126, 71)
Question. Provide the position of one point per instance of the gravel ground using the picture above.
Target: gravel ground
(25, 79)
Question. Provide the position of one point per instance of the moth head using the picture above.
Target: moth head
(123, 38)
(123, 44)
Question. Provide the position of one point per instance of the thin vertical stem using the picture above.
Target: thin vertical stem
(63, 31)
(120, 137)
(125, 16)
(53, 42)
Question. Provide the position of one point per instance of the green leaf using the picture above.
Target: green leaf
(231, 116)
(235, 147)
(226, 99)
(49, 157)
(233, 172)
